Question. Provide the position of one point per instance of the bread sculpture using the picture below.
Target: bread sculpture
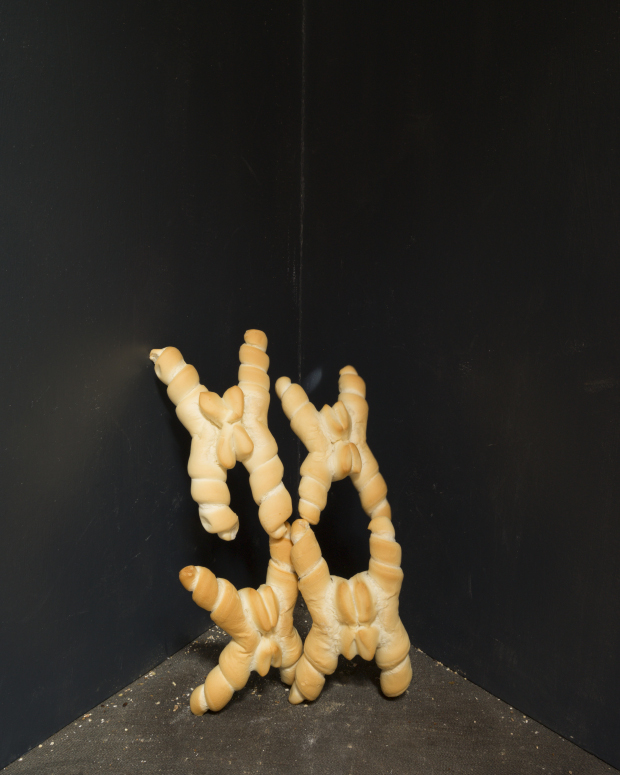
(226, 429)
(358, 616)
(331, 455)
(260, 622)
(349, 617)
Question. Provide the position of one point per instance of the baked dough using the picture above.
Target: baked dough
(260, 622)
(326, 436)
(226, 429)
(355, 616)
(350, 617)
(358, 616)
(368, 481)
(263, 464)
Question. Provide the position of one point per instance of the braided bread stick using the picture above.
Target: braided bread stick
(260, 622)
(263, 464)
(226, 429)
(369, 483)
(358, 616)
(213, 423)
(326, 436)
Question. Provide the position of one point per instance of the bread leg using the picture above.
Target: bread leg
(355, 616)
(260, 623)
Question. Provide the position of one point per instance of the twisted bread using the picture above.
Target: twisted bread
(263, 464)
(358, 616)
(260, 622)
(326, 436)
(226, 429)
(369, 483)
(213, 423)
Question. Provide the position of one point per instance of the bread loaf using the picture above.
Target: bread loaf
(260, 622)
(350, 617)
(226, 429)
(359, 615)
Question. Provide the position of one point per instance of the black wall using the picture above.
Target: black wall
(461, 237)
(149, 188)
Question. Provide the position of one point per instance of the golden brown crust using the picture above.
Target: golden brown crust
(366, 640)
(235, 665)
(325, 434)
(280, 550)
(308, 681)
(265, 478)
(253, 376)
(204, 490)
(358, 616)
(275, 510)
(316, 587)
(309, 512)
(382, 525)
(256, 606)
(364, 603)
(394, 648)
(256, 338)
(226, 429)
(203, 584)
(252, 356)
(260, 622)
(385, 550)
(206, 470)
(395, 682)
(168, 362)
(306, 551)
(183, 383)
(263, 464)
(187, 577)
(344, 603)
(217, 689)
(317, 649)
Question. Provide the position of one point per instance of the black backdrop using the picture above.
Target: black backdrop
(149, 182)
(460, 237)
(462, 213)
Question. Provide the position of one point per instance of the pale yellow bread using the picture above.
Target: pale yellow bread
(367, 480)
(263, 464)
(225, 429)
(259, 621)
(350, 617)
(326, 436)
(207, 471)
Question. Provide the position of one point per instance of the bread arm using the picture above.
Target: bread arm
(368, 481)
(263, 464)
(205, 468)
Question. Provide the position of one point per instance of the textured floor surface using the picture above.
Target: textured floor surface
(443, 724)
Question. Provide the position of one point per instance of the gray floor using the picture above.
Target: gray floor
(443, 724)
